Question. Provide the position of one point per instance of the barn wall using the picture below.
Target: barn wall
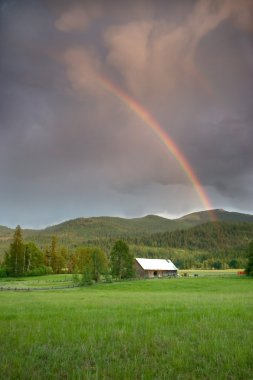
(161, 273)
(140, 272)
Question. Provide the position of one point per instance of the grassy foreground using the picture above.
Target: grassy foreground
(185, 328)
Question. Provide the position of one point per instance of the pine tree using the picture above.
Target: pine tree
(47, 256)
(122, 261)
(15, 258)
(53, 254)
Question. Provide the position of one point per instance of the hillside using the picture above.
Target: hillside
(211, 245)
(103, 230)
(84, 230)
(220, 215)
(112, 226)
(213, 237)
(5, 232)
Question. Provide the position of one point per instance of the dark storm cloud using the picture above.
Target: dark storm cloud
(68, 147)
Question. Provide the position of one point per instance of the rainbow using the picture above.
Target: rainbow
(163, 137)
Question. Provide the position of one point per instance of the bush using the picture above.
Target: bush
(3, 272)
(40, 271)
(76, 278)
(86, 277)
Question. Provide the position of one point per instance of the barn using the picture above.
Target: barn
(151, 268)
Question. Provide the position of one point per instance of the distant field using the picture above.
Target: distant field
(209, 272)
(184, 328)
(65, 280)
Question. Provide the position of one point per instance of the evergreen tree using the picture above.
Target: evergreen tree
(15, 258)
(249, 268)
(53, 253)
(122, 261)
(23, 259)
(47, 256)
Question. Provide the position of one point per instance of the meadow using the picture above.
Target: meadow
(182, 328)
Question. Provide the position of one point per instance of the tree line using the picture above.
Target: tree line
(24, 259)
(218, 245)
(212, 245)
(187, 249)
(213, 237)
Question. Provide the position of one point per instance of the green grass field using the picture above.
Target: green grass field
(184, 328)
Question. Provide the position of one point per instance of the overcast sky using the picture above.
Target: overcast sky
(70, 148)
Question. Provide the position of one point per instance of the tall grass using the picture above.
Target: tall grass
(187, 328)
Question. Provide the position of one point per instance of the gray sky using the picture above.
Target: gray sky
(70, 148)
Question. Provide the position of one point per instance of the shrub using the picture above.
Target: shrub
(3, 272)
(40, 271)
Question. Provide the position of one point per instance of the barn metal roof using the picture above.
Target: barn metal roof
(156, 264)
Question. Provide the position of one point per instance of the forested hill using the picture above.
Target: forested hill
(112, 226)
(5, 232)
(82, 231)
(103, 230)
(219, 215)
(79, 231)
(212, 237)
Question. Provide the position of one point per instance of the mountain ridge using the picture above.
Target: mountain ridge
(185, 221)
(104, 230)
